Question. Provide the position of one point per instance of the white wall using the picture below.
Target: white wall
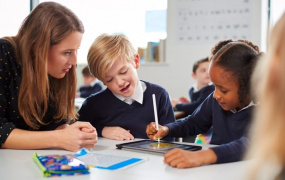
(12, 14)
(175, 76)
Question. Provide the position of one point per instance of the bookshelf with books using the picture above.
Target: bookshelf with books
(154, 53)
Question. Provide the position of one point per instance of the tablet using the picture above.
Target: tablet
(157, 147)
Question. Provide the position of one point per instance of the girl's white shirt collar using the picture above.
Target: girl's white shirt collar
(250, 104)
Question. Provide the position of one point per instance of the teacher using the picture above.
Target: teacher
(38, 83)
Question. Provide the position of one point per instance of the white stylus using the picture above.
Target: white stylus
(155, 113)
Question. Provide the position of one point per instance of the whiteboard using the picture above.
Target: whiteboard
(231, 19)
(207, 21)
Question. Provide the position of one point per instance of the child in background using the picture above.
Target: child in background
(267, 149)
(91, 84)
(125, 107)
(199, 91)
(227, 110)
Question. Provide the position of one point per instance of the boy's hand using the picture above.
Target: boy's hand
(184, 100)
(154, 134)
(117, 133)
(174, 102)
(184, 159)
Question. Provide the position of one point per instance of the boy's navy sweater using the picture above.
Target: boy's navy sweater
(104, 109)
(196, 99)
(229, 129)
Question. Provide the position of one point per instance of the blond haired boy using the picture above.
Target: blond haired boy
(124, 109)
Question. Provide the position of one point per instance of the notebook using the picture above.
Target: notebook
(107, 161)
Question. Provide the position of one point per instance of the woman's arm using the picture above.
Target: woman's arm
(71, 138)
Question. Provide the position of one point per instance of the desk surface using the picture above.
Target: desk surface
(179, 114)
(18, 164)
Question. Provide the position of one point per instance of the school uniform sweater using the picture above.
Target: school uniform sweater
(229, 129)
(104, 109)
(196, 99)
(86, 91)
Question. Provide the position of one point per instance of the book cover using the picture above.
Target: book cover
(58, 165)
(161, 50)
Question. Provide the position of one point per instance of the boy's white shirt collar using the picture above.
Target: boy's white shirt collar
(137, 95)
(250, 104)
(195, 87)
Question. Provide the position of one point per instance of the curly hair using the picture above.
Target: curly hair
(239, 58)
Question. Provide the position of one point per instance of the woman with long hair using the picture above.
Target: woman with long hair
(38, 83)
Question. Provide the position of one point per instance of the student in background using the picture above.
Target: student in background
(38, 83)
(91, 84)
(125, 107)
(199, 91)
(228, 109)
(267, 149)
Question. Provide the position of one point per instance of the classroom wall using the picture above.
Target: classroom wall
(175, 75)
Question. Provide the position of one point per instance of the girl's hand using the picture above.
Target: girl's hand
(117, 133)
(154, 134)
(184, 159)
(76, 136)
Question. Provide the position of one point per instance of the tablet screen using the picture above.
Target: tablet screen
(155, 146)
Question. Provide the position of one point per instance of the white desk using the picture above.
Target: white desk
(18, 164)
(78, 103)
(179, 114)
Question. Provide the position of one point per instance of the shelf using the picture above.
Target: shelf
(154, 64)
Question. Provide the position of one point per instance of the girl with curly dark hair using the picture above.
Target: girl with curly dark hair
(227, 110)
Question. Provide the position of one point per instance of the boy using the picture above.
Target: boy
(91, 84)
(124, 109)
(199, 91)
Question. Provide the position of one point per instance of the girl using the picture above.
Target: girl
(227, 109)
(267, 148)
(38, 83)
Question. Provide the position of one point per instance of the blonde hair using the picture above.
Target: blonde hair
(47, 25)
(105, 50)
(269, 119)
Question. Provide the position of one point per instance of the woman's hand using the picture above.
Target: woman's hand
(76, 136)
(155, 134)
(184, 159)
(117, 133)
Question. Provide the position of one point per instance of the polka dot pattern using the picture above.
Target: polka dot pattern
(10, 81)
